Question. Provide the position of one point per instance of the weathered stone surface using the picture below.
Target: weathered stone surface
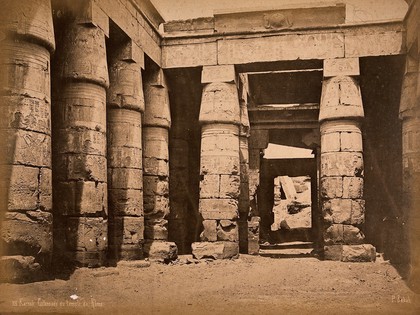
(358, 253)
(338, 211)
(352, 187)
(124, 157)
(341, 66)
(157, 112)
(125, 78)
(342, 164)
(220, 104)
(28, 148)
(357, 211)
(81, 104)
(156, 206)
(125, 202)
(86, 234)
(124, 128)
(360, 45)
(271, 48)
(156, 229)
(160, 251)
(189, 55)
(83, 198)
(333, 252)
(351, 141)
(341, 99)
(229, 186)
(127, 230)
(210, 186)
(222, 209)
(227, 230)
(254, 236)
(80, 141)
(23, 112)
(37, 24)
(89, 42)
(330, 142)
(19, 269)
(215, 250)
(352, 235)
(17, 239)
(45, 189)
(215, 164)
(209, 233)
(26, 69)
(225, 73)
(125, 178)
(154, 166)
(23, 188)
(334, 234)
(155, 143)
(153, 185)
(82, 167)
(332, 187)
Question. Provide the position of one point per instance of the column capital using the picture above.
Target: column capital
(220, 104)
(223, 73)
(341, 67)
(156, 97)
(126, 88)
(341, 99)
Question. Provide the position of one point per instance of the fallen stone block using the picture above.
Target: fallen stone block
(19, 269)
(359, 253)
(29, 233)
(333, 252)
(160, 250)
(215, 250)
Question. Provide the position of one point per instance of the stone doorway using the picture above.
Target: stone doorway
(288, 203)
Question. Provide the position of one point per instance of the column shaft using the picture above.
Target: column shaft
(220, 165)
(341, 172)
(410, 116)
(157, 121)
(80, 146)
(25, 129)
(125, 105)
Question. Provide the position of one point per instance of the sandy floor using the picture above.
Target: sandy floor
(248, 285)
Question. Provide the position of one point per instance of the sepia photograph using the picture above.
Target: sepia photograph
(210, 157)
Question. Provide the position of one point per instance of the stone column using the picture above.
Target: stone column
(80, 173)
(258, 141)
(220, 164)
(157, 121)
(410, 116)
(343, 206)
(25, 131)
(125, 102)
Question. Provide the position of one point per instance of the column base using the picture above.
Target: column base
(215, 250)
(161, 251)
(350, 253)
